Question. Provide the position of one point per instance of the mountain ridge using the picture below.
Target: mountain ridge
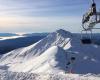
(29, 59)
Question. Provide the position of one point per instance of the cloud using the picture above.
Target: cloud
(38, 7)
(41, 15)
(20, 24)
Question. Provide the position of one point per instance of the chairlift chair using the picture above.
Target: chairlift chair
(90, 19)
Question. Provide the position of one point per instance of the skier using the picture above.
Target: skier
(70, 63)
(93, 8)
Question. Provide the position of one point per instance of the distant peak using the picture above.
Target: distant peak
(64, 32)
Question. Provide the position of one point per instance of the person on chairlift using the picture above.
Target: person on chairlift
(92, 11)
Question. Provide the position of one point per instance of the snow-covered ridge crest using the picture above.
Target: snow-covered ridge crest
(58, 38)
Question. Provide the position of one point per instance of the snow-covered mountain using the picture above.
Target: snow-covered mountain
(53, 54)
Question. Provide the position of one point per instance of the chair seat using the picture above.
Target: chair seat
(86, 41)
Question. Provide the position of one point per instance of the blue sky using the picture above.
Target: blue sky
(42, 15)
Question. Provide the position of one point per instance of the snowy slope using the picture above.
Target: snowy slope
(52, 53)
(51, 60)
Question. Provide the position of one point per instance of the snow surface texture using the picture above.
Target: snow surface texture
(4, 75)
(51, 54)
